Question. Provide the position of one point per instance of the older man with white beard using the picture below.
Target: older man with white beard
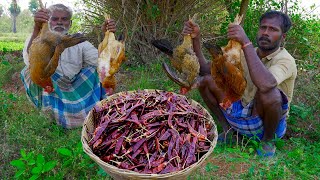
(75, 81)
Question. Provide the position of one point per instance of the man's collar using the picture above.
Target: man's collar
(270, 56)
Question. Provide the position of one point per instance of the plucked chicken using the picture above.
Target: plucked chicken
(227, 70)
(183, 59)
(111, 55)
(44, 54)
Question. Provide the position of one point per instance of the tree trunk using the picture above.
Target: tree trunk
(284, 7)
(14, 28)
(14, 17)
(243, 9)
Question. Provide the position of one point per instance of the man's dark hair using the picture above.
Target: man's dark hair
(286, 22)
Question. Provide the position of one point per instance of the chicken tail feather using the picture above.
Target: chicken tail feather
(173, 77)
(163, 45)
(213, 49)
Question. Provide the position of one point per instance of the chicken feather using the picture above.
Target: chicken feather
(227, 70)
(183, 59)
(111, 55)
(44, 54)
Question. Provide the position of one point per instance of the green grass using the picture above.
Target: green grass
(12, 41)
(10, 46)
(13, 37)
(25, 129)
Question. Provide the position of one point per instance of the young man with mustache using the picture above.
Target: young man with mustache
(76, 84)
(270, 72)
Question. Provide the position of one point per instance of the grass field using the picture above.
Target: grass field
(13, 37)
(33, 146)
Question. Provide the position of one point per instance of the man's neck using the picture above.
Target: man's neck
(262, 53)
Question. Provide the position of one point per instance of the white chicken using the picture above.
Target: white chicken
(111, 55)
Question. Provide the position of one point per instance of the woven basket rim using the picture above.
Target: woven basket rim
(128, 173)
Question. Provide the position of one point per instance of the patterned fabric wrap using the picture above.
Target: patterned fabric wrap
(240, 119)
(71, 100)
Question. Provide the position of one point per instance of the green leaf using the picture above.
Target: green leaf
(31, 162)
(18, 163)
(30, 155)
(67, 163)
(64, 151)
(245, 155)
(35, 176)
(23, 153)
(79, 149)
(92, 165)
(255, 143)
(5, 63)
(36, 170)
(40, 160)
(280, 143)
(19, 173)
(12, 97)
(49, 166)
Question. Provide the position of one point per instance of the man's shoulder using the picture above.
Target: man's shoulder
(284, 54)
(284, 57)
(84, 46)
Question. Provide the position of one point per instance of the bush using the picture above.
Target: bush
(143, 21)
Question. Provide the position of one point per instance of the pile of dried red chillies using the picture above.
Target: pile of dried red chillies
(150, 132)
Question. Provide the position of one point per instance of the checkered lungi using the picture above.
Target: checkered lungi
(240, 119)
(72, 98)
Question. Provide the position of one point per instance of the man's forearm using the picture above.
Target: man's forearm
(204, 68)
(260, 75)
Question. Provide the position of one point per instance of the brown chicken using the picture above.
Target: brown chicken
(183, 59)
(227, 70)
(111, 55)
(44, 54)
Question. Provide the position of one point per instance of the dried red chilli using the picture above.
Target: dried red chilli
(150, 132)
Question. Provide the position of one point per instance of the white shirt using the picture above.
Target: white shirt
(72, 59)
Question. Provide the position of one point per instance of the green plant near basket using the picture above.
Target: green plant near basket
(32, 166)
(68, 158)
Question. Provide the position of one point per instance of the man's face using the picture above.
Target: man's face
(270, 34)
(60, 22)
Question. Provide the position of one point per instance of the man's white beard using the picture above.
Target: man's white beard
(64, 32)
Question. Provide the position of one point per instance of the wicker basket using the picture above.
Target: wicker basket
(117, 173)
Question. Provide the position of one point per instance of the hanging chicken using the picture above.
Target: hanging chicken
(227, 69)
(44, 54)
(183, 59)
(111, 55)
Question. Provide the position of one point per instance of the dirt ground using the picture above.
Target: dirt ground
(14, 85)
